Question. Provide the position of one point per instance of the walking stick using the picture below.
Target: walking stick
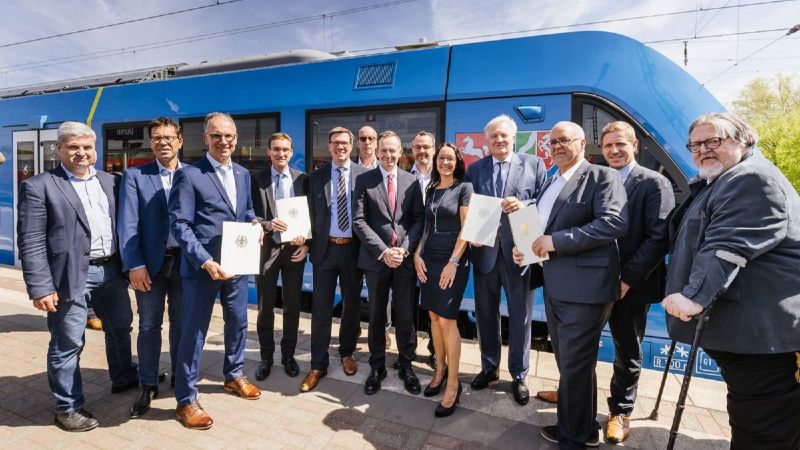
(687, 376)
(654, 413)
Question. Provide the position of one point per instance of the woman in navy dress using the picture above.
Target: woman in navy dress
(442, 264)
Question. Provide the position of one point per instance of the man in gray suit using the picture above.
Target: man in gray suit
(70, 261)
(742, 212)
(388, 219)
(517, 179)
(583, 212)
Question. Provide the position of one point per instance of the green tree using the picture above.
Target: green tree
(773, 107)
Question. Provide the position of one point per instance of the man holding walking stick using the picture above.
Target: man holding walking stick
(742, 213)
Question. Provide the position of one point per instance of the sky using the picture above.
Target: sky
(215, 30)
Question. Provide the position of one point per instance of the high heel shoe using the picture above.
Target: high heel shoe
(442, 411)
(430, 391)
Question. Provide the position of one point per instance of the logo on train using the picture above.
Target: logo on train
(473, 146)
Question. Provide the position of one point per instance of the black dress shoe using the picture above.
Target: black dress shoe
(483, 378)
(550, 433)
(291, 367)
(396, 364)
(373, 383)
(521, 394)
(162, 376)
(142, 404)
(410, 380)
(80, 420)
(431, 391)
(119, 388)
(442, 411)
(263, 370)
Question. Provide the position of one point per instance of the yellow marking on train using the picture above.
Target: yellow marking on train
(94, 106)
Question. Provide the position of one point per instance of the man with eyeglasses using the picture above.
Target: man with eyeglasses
(281, 255)
(367, 146)
(206, 194)
(742, 212)
(334, 253)
(151, 256)
(583, 211)
(517, 179)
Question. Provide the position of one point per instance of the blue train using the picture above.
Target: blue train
(591, 78)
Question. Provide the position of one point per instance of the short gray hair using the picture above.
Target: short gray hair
(729, 125)
(73, 129)
(390, 134)
(502, 118)
(570, 125)
(212, 115)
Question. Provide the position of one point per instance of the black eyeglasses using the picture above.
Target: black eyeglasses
(565, 141)
(168, 139)
(217, 137)
(366, 138)
(710, 144)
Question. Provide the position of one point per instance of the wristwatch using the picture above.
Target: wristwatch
(453, 260)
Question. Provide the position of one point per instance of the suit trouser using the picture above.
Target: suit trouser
(279, 263)
(401, 280)
(575, 334)
(519, 301)
(338, 263)
(166, 284)
(763, 399)
(199, 296)
(627, 323)
(107, 292)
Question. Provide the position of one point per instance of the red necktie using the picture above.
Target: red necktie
(392, 202)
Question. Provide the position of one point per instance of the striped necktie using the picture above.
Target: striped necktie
(341, 201)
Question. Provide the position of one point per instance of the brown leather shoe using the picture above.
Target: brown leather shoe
(312, 379)
(349, 365)
(242, 388)
(619, 427)
(548, 396)
(93, 323)
(193, 416)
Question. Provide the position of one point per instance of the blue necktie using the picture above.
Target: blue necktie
(279, 194)
(498, 183)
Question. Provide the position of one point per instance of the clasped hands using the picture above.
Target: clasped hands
(393, 256)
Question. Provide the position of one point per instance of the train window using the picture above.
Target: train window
(593, 114)
(125, 146)
(406, 122)
(251, 147)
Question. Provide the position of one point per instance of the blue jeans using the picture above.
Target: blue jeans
(166, 284)
(107, 292)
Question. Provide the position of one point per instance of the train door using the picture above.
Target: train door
(34, 151)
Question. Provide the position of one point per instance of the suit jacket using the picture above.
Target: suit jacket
(588, 216)
(642, 249)
(198, 205)
(54, 237)
(320, 203)
(374, 223)
(264, 204)
(143, 219)
(526, 175)
(750, 212)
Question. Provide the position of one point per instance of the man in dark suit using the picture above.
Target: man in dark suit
(388, 218)
(207, 193)
(516, 179)
(151, 256)
(642, 250)
(280, 255)
(583, 212)
(68, 248)
(743, 213)
(334, 249)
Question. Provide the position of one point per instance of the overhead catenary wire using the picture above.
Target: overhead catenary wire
(115, 24)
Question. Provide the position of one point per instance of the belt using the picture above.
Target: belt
(102, 260)
(339, 240)
(174, 251)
